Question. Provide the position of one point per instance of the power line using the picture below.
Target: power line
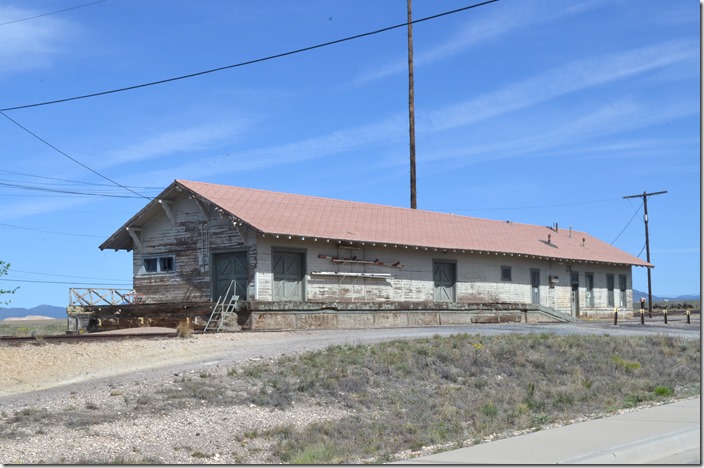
(63, 282)
(50, 232)
(69, 157)
(52, 12)
(68, 192)
(250, 62)
(65, 276)
(71, 181)
(641, 250)
(627, 224)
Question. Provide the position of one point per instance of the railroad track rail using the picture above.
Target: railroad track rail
(81, 338)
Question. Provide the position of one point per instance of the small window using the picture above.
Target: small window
(159, 264)
(505, 273)
(166, 264)
(610, 290)
(150, 265)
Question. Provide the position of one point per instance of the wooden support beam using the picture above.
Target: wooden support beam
(203, 209)
(168, 207)
(241, 230)
(136, 234)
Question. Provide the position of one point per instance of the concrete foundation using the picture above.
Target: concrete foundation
(260, 315)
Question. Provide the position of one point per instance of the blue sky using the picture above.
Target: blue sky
(534, 111)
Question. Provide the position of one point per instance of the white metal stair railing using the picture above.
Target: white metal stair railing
(222, 311)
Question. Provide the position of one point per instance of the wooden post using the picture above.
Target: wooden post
(411, 108)
(688, 317)
(664, 313)
(642, 316)
(615, 315)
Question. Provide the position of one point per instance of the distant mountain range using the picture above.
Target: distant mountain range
(42, 310)
(687, 297)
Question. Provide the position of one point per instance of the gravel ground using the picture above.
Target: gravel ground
(84, 383)
(98, 393)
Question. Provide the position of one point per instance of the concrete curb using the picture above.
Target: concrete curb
(644, 451)
(660, 434)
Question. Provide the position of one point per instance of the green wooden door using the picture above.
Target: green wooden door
(444, 279)
(228, 267)
(288, 276)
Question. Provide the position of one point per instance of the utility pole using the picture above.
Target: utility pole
(645, 196)
(411, 108)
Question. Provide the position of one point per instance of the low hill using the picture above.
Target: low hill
(41, 310)
(637, 295)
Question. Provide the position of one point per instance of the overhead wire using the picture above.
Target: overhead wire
(63, 282)
(71, 181)
(64, 276)
(250, 62)
(70, 157)
(627, 224)
(52, 12)
(69, 192)
(50, 232)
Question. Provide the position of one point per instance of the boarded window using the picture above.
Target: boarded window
(505, 273)
(622, 289)
(610, 290)
(535, 286)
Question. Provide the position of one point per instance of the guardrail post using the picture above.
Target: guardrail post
(688, 317)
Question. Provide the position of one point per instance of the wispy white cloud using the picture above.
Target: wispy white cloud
(575, 134)
(32, 44)
(182, 140)
(291, 153)
(496, 23)
(573, 77)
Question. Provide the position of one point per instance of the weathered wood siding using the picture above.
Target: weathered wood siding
(478, 277)
(196, 234)
(192, 241)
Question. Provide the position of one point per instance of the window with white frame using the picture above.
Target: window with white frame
(163, 264)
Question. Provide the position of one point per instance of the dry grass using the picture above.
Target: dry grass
(21, 328)
(184, 329)
(414, 394)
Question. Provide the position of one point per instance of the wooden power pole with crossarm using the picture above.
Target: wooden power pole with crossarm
(645, 196)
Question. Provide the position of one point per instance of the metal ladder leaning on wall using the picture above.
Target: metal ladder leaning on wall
(222, 311)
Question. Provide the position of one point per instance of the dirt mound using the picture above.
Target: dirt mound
(29, 317)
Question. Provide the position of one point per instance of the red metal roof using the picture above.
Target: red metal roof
(273, 213)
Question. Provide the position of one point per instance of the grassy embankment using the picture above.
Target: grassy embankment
(38, 328)
(441, 392)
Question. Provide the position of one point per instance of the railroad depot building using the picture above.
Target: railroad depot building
(298, 261)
